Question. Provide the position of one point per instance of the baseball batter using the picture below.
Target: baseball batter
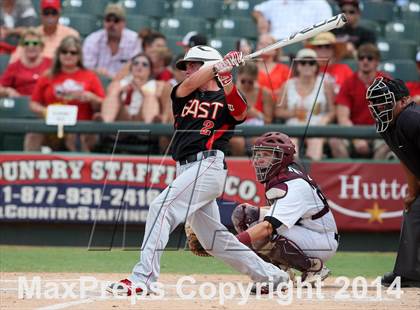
(205, 115)
(297, 230)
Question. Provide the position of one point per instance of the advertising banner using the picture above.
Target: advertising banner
(106, 189)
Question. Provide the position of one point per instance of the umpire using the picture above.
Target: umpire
(398, 122)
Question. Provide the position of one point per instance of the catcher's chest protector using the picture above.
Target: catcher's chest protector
(276, 188)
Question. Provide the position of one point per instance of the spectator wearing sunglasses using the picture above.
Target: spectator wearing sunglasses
(306, 97)
(260, 106)
(352, 33)
(107, 50)
(352, 107)
(329, 52)
(68, 83)
(20, 77)
(138, 96)
(51, 31)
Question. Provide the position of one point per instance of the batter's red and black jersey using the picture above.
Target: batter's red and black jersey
(202, 122)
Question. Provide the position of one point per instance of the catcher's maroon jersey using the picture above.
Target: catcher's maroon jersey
(202, 122)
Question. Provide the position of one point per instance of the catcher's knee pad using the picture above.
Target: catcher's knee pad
(287, 252)
(243, 216)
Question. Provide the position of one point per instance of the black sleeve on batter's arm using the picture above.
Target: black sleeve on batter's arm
(173, 92)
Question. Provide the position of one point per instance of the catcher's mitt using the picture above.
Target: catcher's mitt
(193, 243)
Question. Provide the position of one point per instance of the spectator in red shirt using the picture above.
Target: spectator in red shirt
(68, 82)
(329, 52)
(352, 107)
(271, 74)
(20, 77)
(260, 106)
(414, 86)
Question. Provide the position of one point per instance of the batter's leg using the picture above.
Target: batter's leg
(222, 244)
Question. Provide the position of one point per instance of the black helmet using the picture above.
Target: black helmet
(382, 96)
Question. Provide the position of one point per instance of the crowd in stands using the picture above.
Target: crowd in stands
(117, 73)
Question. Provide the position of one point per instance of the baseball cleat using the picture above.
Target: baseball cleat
(122, 288)
(311, 276)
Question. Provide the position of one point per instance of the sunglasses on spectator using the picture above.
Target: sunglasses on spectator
(307, 62)
(368, 57)
(145, 64)
(66, 52)
(47, 12)
(248, 82)
(324, 46)
(112, 19)
(31, 43)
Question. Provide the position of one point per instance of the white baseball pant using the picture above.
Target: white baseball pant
(193, 195)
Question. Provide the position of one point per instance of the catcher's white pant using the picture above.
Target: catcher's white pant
(194, 193)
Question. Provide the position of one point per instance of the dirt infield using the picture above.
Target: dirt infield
(65, 291)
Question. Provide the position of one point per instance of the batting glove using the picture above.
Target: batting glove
(222, 71)
(234, 58)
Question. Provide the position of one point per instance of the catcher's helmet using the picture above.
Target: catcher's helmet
(382, 96)
(200, 53)
(271, 153)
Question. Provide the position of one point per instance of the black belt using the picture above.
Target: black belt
(194, 157)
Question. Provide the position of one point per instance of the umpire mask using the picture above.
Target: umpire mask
(382, 96)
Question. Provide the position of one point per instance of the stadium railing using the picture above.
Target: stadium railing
(38, 125)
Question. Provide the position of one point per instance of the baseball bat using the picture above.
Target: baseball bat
(334, 22)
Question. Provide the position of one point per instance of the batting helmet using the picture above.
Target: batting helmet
(200, 53)
(382, 96)
(271, 153)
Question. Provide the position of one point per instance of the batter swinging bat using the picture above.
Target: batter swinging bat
(334, 22)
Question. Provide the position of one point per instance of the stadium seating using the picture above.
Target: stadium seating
(352, 63)
(401, 69)
(235, 27)
(14, 108)
(403, 30)
(380, 11)
(223, 44)
(153, 8)
(138, 22)
(291, 50)
(85, 24)
(397, 49)
(181, 26)
(410, 12)
(372, 25)
(96, 7)
(171, 42)
(4, 61)
(211, 9)
(241, 8)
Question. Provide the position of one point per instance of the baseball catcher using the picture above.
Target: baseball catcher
(297, 230)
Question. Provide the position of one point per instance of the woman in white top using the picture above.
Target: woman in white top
(137, 97)
(304, 92)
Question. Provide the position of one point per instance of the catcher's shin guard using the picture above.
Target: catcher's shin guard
(290, 254)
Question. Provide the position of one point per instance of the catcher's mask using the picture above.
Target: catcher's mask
(200, 53)
(271, 153)
(382, 96)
